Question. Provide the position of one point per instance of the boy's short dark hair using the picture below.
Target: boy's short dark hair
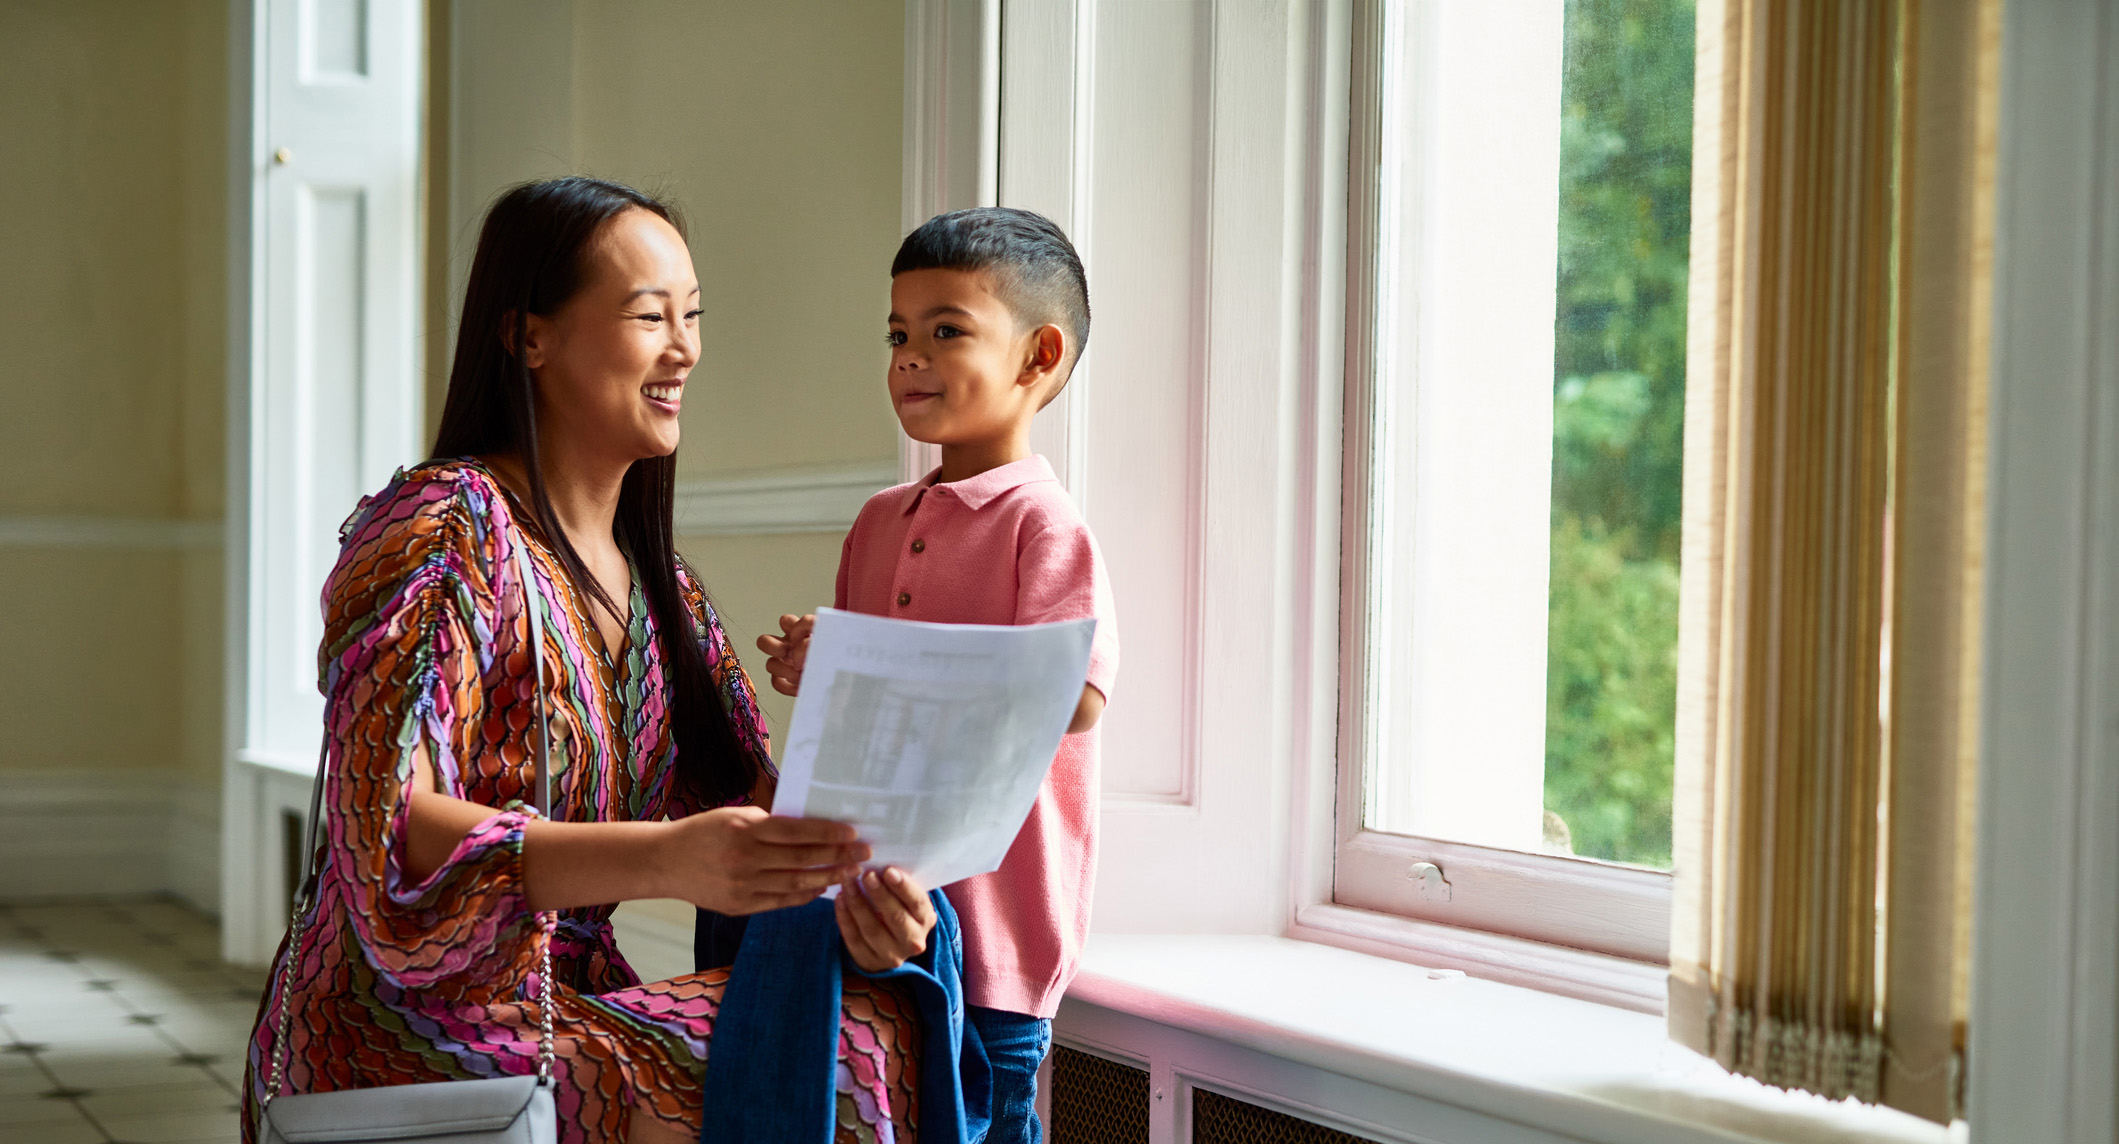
(1038, 275)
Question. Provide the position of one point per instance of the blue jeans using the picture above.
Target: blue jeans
(779, 1026)
(1015, 1047)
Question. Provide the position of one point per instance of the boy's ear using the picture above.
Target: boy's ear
(1048, 350)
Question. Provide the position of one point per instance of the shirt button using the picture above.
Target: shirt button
(904, 598)
(919, 546)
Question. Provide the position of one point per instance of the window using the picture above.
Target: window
(1514, 444)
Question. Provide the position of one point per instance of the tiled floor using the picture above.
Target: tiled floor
(118, 1022)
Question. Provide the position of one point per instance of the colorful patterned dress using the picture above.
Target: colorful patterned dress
(400, 982)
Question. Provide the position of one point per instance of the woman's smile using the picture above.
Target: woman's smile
(665, 396)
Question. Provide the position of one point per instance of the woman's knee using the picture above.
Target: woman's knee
(648, 1130)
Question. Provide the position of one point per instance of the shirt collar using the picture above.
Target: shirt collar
(979, 491)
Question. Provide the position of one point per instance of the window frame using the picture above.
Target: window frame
(1618, 915)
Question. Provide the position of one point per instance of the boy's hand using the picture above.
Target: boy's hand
(884, 919)
(787, 652)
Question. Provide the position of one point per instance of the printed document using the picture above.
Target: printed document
(931, 739)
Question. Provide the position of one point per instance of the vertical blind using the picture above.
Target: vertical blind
(1946, 210)
(1828, 631)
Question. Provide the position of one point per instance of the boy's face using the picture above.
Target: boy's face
(961, 373)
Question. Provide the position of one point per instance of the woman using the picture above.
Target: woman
(579, 328)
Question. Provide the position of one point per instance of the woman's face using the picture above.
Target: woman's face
(611, 362)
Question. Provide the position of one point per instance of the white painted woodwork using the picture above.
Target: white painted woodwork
(1561, 970)
(1597, 907)
(821, 499)
(1395, 1053)
(327, 390)
(2045, 998)
(1447, 443)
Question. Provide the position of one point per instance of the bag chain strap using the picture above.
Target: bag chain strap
(534, 613)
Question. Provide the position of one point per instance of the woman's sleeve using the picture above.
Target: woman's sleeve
(731, 683)
(408, 624)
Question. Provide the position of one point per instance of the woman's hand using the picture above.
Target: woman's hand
(763, 790)
(884, 919)
(741, 860)
(788, 651)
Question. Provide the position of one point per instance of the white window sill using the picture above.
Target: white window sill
(1509, 1055)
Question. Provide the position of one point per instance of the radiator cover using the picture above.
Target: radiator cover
(1097, 1101)
(1218, 1119)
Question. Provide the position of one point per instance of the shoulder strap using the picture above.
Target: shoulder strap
(534, 616)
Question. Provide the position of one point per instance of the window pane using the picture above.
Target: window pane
(1460, 491)
(1618, 425)
(1533, 194)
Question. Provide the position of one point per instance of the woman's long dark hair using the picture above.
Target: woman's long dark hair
(533, 253)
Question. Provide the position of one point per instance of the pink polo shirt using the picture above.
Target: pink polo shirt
(1005, 547)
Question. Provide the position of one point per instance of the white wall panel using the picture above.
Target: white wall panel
(1150, 193)
(2045, 998)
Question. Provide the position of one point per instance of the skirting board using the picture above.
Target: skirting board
(793, 500)
(81, 833)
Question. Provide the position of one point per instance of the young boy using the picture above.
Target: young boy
(989, 309)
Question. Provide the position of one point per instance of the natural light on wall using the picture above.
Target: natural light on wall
(1527, 413)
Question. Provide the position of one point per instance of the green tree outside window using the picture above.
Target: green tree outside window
(1618, 426)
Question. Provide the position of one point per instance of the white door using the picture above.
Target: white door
(330, 406)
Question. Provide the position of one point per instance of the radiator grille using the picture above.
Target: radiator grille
(1218, 1119)
(1097, 1101)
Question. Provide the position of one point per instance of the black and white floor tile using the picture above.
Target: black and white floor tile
(119, 1024)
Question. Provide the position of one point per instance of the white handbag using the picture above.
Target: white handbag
(500, 1110)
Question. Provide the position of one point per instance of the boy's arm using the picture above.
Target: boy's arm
(1088, 711)
(1060, 576)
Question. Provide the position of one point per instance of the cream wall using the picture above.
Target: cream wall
(776, 128)
(113, 149)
